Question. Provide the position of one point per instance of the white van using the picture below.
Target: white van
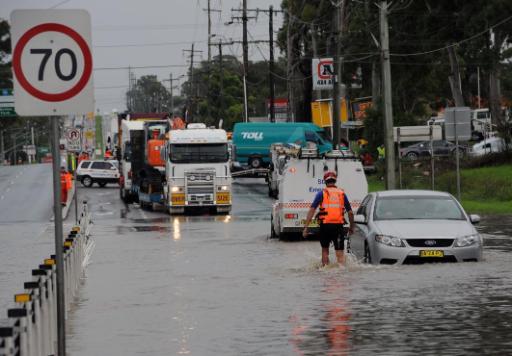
(101, 172)
(490, 145)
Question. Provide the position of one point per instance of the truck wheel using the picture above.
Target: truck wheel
(87, 181)
(255, 162)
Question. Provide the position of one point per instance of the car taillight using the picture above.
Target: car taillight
(130, 174)
(291, 216)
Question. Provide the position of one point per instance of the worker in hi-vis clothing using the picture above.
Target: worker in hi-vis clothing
(333, 204)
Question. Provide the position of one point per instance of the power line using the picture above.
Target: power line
(146, 44)
(142, 67)
(146, 27)
(453, 44)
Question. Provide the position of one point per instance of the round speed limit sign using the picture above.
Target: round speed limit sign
(52, 62)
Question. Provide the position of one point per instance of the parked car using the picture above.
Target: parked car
(101, 172)
(414, 226)
(422, 149)
(490, 145)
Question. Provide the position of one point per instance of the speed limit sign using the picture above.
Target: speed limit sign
(52, 62)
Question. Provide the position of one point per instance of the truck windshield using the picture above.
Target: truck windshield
(199, 153)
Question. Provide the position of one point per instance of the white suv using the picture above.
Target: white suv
(101, 172)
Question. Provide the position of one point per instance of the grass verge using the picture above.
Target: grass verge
(485, 190)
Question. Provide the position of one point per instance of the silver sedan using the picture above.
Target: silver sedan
(414, 226)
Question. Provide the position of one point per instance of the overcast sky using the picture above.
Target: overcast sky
(140, 33)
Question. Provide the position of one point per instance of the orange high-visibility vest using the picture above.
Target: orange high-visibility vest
(333, 206)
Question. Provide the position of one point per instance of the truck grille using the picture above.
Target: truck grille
(200, 187)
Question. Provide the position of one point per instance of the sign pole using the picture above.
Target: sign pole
(76, 195)
(456, 152)
(399, 158)
(57, 211)
(2, 161)
(432, 169)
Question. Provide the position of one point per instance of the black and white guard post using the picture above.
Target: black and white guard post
(52, 67)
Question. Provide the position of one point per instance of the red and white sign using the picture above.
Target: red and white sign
(323, 71)
(52, 62)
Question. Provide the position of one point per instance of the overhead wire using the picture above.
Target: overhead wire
(453, 44)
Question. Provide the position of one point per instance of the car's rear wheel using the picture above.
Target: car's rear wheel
(367, 254)
(87, 181)
(413, 156)
(461, 152)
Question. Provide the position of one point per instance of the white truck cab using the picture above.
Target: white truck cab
(299, 176)
(197, 170)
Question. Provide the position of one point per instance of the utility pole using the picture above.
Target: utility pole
(290, 85)
(244, 38)
(387, 100)
(128, 97)
(221, 84)
(172, 95)
(246, 57)
(209, 10)
(245, 44)
(221, 75)
(190, 100)
(14, 148)
(271, 62)
(336, 78)
(209, 33)
(2, 148)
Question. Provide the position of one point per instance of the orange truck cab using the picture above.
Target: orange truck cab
(154, 157)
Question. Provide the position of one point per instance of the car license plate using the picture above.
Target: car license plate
(431, 253)
(312, 223)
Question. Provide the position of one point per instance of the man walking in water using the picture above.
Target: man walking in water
(333, 204)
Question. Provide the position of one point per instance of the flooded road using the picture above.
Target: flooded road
(216, 285)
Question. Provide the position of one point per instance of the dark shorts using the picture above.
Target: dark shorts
(334, 233)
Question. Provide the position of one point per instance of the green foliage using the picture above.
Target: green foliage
(5, 50)
(210, 100)
(149, 95)
(484, 190)
(420, 82)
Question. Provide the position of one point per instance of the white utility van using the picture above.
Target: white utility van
(299, 173)
(101, 172)
(489, 145)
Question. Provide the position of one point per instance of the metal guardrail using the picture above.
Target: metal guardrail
(31, 327)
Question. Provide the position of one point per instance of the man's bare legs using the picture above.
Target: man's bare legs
(325, 256)
(340, 256)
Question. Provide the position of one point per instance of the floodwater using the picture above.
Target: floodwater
(216, 285)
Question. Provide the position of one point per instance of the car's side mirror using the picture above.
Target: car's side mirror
(360, 219)
(475, 219)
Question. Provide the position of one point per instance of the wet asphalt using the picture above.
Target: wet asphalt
(216, 285)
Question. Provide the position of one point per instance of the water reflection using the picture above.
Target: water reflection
(329, 333)
(176, 231)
